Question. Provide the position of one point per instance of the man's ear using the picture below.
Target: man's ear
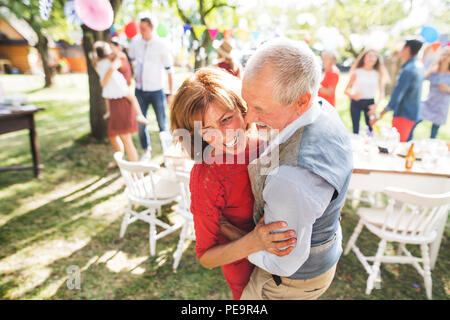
(302, 103)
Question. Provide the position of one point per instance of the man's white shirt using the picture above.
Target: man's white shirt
(298, 197)
(151, 58)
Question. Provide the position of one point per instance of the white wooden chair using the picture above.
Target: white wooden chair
(174, 158)
(166, 142)
(147, 186)
(183, 209)
(413, 222)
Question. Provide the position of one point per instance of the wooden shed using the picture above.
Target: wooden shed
(16, 47)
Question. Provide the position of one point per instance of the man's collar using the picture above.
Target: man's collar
(408, 62)
(305, 119)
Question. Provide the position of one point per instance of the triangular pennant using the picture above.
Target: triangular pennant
(186, 27)
(213, 33)
(198, 30)
(227, 33)
(255, 35)
(242, 34)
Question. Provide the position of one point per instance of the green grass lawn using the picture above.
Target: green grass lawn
(71, 217)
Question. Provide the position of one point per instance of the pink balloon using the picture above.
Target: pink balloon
(96, 14)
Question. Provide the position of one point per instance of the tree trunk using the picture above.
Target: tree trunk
(49, 71)
(97, 106)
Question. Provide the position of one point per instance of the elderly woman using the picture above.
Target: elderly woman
(221, 194)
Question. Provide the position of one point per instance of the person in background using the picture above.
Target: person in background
(435, 107)
(115, 73)
(330, 79)
(367, 79)
(151, 57)
(122, 122)
(122, 52)
(405, 98)
(226, 61)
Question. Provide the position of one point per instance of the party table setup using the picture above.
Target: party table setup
(381, 161)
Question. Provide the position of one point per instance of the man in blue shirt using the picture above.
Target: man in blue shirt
(405, 99)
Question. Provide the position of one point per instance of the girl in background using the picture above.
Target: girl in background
(121, 114)
(367, 79)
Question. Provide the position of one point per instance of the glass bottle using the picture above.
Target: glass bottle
(410, 157)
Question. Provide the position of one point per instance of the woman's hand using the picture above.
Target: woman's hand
(116, 63)
(355, 97)
(229, 230)
(275, 243)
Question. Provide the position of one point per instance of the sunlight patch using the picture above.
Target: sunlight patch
(39, 200)
(117, 261)
(28, 280)
(42, 253)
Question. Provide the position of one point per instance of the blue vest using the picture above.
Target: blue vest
(326, 151)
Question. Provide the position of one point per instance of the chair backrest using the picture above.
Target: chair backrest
(138, 176)
(166, 142)
(419, 213)
(183, 182)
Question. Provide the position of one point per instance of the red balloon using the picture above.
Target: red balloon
(131, 29)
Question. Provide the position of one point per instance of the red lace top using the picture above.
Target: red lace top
(222, 189)
(227, 67)
(125, 69)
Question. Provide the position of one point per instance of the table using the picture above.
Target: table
(375, 171)
(19, 120)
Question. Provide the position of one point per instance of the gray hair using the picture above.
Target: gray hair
(296, 69)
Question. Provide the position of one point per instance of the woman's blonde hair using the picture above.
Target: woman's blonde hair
(206, 86)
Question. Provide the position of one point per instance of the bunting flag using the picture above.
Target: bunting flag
(227, 34)
(435, 46)
(255, 35)
(242, 34)
(198, 30)
(213, 33)
(186, 27)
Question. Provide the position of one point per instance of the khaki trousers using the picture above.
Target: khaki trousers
(261, 286)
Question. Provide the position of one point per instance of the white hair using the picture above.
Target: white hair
(296, 69)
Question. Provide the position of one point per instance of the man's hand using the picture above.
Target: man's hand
(274, 242)
(169, 99)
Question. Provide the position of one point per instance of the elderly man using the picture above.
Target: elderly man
(307, 184)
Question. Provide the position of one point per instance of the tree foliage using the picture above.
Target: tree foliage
(28, 10)
(204, 13)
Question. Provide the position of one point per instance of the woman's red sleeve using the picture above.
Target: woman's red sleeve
(207, 204)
